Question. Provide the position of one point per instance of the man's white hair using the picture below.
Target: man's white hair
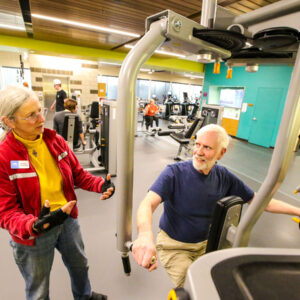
(223, 137)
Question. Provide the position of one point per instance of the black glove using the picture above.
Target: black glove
(54, 218)
(106, 185)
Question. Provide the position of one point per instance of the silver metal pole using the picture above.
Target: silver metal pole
(281, 158)
(126, 106)
(274, 10)
(208, 13)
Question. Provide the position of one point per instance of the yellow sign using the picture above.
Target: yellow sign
(102, 90)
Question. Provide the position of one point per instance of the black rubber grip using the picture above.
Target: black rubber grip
(126, 265)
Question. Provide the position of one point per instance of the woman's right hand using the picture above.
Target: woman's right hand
(47, 220)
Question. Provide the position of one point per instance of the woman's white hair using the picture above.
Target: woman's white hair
(11, 99)
(223, 137)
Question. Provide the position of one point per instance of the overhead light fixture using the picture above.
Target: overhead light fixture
(109, 63)
(84, 25)
(12, 27)
(161, 52)
(193, 76)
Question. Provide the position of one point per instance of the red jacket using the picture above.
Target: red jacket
(20, 199)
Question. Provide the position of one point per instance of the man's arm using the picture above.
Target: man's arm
(279, 207)
(53, 105)
(143, 248)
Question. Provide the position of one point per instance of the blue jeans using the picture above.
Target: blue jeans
(35, 262)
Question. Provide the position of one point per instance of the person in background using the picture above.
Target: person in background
(38, 172)
(150, 111)
(71, 107)
(189, 191)
(25, 84)
(61, 96)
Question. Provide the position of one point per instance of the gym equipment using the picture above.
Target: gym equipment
(213, 114)
(108, 141)
(184, 138)
(176, 32)
(245, 273)
(227, 213)
(71, 135)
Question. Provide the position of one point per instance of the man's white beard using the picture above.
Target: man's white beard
(200, 166)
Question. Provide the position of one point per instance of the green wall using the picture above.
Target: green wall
(267, 77)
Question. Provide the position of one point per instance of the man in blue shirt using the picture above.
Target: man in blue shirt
(189, 191)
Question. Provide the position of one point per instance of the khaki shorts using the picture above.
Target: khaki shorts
(176, 257)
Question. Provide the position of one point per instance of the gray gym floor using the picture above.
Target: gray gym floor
(98, 225)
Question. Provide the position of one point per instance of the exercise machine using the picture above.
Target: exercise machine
(71, 135)
(186, 138)
(108, 140)
(213, 114)
(229, 45)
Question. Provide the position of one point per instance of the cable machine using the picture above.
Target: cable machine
(209, 41)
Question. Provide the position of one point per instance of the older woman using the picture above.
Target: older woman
(38, 172)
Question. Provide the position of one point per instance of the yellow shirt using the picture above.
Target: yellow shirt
(51, 183)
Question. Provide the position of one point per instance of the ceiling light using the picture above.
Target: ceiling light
(109, 63)
(84, 25)
(193, 76)
(161, 52)
(12, 27)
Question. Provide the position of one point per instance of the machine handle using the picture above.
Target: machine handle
(126, 264)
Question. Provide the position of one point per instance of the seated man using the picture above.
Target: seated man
(58, 121)
(189, 191)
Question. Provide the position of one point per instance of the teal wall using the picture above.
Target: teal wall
(274, 77)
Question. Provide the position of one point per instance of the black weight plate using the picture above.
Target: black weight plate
(229, 40)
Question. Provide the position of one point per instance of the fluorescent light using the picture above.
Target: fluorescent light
(109, 63)
(193, 76)
(84, 25)
(12, 27)
(162, 52)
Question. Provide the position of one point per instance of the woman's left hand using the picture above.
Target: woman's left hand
(108, 188)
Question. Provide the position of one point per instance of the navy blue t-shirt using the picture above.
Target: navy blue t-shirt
(190, 197)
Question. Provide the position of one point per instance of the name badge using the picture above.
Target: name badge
(19, 164)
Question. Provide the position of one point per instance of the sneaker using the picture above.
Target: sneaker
(96, 296)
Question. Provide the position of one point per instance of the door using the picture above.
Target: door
(50, 92)
(265, 116)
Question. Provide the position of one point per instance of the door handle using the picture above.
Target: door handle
(254, 119)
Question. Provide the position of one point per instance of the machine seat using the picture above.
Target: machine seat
(70, 131)
(184, 137)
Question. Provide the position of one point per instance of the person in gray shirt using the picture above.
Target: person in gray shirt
(71, 106)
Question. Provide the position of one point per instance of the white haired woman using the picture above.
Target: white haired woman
(38, 172)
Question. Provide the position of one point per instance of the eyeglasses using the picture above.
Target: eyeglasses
(34, 116)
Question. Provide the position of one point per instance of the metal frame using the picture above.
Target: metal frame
(176, 31)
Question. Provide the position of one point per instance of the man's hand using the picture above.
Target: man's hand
(108, 188)
(47, 220)
(144, 251)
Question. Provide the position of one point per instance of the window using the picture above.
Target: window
(142, 89)
(111, 86)
(231, 97)
(160, 89)
(12, 76)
